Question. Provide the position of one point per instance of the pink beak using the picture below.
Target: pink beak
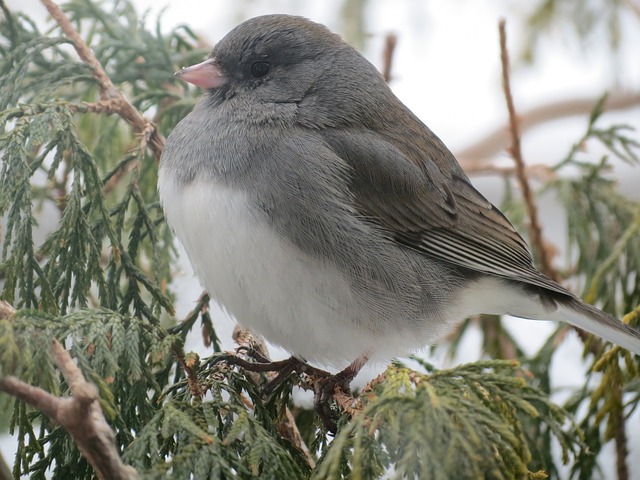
(205, 75)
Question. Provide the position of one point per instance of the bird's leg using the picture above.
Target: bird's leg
(296, 365)
(326, 386)
(260, 366)
(254, 353)
(284, 368)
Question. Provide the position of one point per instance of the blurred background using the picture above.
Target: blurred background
(446, 68)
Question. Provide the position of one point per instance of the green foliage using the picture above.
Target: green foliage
(465, 423)
(460, 422)
(89, 168)
(608, 246)
(590, 22)
(98, 282)
(603, 240)
(123, 356)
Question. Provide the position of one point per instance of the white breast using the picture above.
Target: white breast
(264, 282)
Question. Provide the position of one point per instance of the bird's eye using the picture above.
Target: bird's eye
(259, 69)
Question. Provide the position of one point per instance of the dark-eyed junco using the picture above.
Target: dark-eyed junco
(320, 212)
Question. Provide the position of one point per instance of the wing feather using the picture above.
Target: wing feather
(433, 209)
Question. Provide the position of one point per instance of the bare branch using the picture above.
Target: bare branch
(535, 230)
(250, 341)
(634, 7)
(288, 429)
(621, 439)
(480, 153)
(80, 415)
(390, 42)
(5, 471)
(538, 171)
(109, 94)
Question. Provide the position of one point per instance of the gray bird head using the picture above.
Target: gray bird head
(288, 59)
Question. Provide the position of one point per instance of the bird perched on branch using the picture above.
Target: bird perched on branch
(321, 212)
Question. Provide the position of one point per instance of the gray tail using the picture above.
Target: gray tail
(589, 318)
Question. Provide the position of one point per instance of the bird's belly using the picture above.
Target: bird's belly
(294, 300)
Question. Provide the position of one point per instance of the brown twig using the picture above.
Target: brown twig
(80, 415)
(250, 342)
(390, 42)
(535, 230)
(134, 162)
(349, 405)
(497, 340)
(634, 7)
(109, 94)
(6, 311)
(621, 439)
(195, 388)
(481, 152)
(288, 429)
(5, 471)
(539, 171)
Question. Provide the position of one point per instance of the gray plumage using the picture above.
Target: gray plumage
(322, 213)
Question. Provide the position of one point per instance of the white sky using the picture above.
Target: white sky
(447, 70)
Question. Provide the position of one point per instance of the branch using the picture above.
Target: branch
(480, 152)
(108, 92)
(5, 471)
(621, 439)
(288, 429)
(80, 415)
(535, 230)
(539, 171)
(390, 42)
(634, 7)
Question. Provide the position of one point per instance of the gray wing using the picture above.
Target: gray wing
(428, 204)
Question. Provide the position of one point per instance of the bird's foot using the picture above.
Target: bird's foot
(254, 361)
(260, 365)
(325, 385)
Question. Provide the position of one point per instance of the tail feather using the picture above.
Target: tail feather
(584, 316)
(499, 296)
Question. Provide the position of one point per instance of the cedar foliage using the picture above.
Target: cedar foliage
(100, 283)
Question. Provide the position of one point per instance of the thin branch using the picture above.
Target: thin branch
(132, 164)
(621, 439)
(481, 152)
(390, 42)
(250, 342)
(288, 429)
(80, 414)
(634, 7)
(108, 92)
(538, 171)
(349, 405)
(195, 388)
(5, 471)
(535, 230)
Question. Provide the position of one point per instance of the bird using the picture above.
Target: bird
(321, 213)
